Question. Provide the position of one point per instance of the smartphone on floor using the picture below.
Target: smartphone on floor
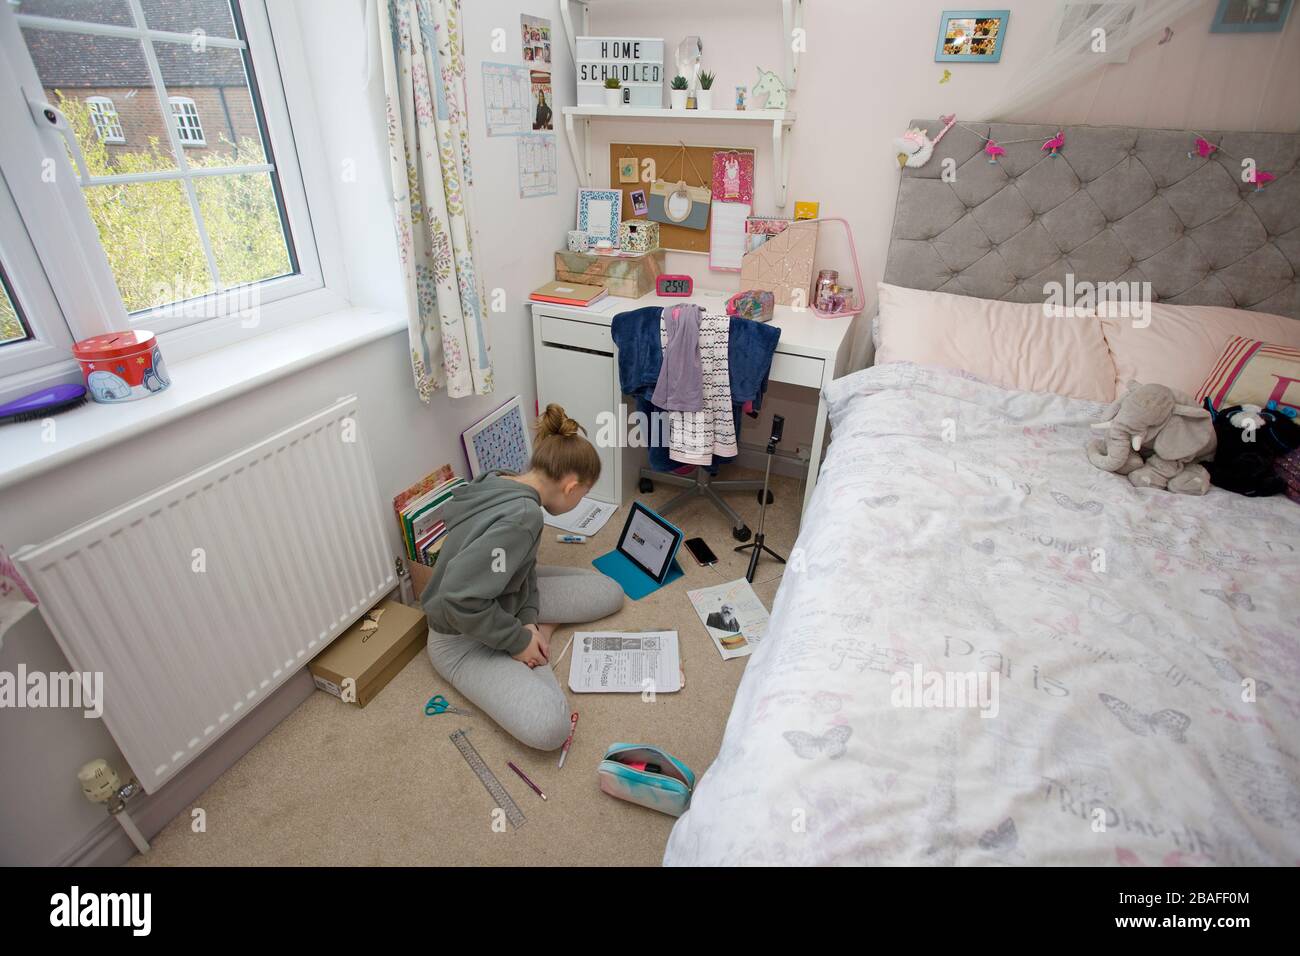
(701, 552)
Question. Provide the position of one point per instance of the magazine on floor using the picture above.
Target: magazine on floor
(733, 615)
(614, 662)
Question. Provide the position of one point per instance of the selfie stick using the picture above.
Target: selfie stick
(778, 426)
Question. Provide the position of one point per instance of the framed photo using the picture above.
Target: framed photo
(639, 205)
(971, 36)
(1251, 16)
(599, 213)
(499, 441)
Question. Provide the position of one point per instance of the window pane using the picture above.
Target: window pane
(244, 226)
(12, 327)
(116, 12)
(186, 16)
(153, 246)
(211, 104)
(76, 68)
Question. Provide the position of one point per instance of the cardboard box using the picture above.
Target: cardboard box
(629, 277)
(421, 574)
(370, 659)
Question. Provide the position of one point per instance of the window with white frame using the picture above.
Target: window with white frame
(146, 235)
(188, 126)
(104, 119)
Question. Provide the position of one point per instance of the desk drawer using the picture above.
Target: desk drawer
(797, 370)
(583, 335)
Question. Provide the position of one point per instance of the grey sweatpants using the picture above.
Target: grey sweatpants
(527, 702)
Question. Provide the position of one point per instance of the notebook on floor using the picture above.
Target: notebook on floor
(646, 556)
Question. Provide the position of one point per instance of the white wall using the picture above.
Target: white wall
(870, 69)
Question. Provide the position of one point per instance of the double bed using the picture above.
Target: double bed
(984, 650)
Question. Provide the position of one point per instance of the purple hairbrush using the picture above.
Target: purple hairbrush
(48, 401)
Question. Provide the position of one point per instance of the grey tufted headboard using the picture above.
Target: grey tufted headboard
(1118, 204)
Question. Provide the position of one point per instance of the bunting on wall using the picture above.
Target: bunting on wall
(914, 148)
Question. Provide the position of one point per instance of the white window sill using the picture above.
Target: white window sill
(198, 382)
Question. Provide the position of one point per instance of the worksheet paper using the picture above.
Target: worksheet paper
(733, 615)
(727, 235)
(614, 662)
(507, 99)
(588, 518)
(538, 175)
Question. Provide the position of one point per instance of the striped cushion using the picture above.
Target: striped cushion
(1253, 372)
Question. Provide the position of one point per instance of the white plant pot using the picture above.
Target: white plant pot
(613, 98)
(704, 99)
(678, 99)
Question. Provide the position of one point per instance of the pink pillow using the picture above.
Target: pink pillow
(1012, 344)
(1183, 342)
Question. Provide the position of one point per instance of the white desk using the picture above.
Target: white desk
(576, 366)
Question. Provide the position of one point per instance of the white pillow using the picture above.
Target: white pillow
(1012, 344)
(1183, 343)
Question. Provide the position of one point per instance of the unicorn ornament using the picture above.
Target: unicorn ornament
(915, 148)
(770, 83)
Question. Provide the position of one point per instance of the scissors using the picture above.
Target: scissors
(440, 705)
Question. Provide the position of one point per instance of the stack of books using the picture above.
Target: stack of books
(570, 293)
(418, 513)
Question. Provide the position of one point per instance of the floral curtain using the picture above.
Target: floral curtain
(423, 56)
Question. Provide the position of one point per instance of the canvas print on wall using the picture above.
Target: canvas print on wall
(971, 36)
(1250, 16)
(499, 441)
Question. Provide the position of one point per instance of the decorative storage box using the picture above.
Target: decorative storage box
(638, 235)
(627, 276)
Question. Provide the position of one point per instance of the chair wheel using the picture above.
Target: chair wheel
(742, 533)
(759, 497)
(645, 486)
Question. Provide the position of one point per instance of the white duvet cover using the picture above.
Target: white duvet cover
(1146, 647)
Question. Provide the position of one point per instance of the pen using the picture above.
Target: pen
(568, 741)
(522, 776)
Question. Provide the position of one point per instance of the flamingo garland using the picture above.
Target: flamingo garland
(1262, 179)
(1205, 149)
(1053, 146)
(992, 150)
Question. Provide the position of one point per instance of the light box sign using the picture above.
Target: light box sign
(637, 62)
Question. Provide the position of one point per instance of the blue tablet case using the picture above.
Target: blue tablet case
(635, 583)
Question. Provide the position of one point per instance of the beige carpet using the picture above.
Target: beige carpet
(335, 785)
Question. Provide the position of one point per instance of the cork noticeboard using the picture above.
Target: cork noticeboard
(695, 169)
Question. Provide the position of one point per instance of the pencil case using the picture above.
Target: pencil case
(647, 776)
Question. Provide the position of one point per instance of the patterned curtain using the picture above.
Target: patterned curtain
(428, 144)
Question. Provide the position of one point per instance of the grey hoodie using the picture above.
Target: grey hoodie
(476, 589)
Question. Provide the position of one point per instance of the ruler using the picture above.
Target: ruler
(488, 779)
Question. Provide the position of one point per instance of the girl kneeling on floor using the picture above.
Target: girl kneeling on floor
(492, 609)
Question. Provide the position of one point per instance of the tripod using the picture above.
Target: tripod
(764, 496)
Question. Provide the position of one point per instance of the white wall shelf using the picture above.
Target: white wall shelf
(781, 121)
(791, 20)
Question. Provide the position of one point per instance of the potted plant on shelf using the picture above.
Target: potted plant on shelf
(677, 95)
(704, 95)
(613, 92)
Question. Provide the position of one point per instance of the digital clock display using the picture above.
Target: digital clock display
(674, 285)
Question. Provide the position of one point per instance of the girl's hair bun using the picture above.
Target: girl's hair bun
(556, 421)
(559, 451)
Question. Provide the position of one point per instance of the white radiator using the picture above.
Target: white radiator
(196, 601)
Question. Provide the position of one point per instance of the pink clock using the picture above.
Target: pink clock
(667, 284)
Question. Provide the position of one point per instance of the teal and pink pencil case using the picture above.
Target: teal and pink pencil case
(647, 776)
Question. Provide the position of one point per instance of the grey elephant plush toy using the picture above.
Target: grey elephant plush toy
(1156, 435)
